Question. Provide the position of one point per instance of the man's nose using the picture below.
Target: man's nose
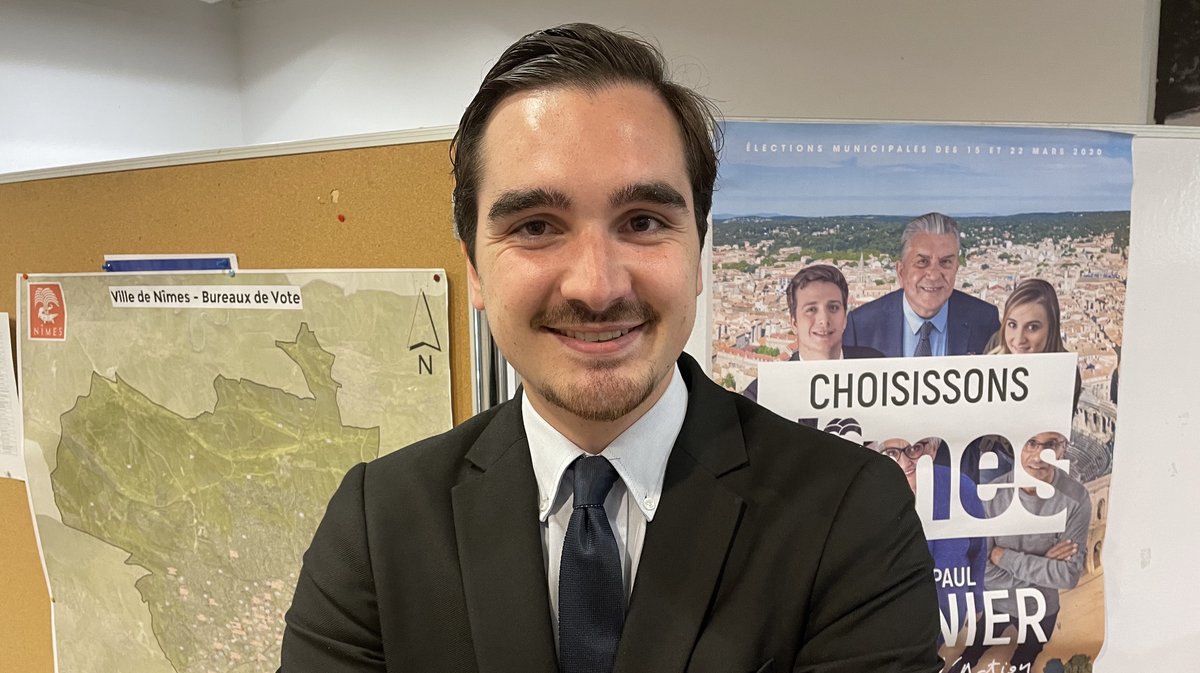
(595, 270)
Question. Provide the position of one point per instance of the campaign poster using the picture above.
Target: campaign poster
(952, 297)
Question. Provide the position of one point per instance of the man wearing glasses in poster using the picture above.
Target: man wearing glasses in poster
(958, 563)
(1046, 562)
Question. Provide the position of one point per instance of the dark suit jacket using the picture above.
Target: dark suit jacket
(774, 547)
(879, 324)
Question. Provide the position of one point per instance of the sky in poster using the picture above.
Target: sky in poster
(818, 170)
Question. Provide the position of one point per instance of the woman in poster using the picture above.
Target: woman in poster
(1032, 323)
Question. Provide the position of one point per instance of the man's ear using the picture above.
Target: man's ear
(475, 288)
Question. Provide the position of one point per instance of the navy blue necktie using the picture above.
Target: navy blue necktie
(591, 595)
(924, 345)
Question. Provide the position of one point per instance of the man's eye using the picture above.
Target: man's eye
(533, 228)
(644, 223)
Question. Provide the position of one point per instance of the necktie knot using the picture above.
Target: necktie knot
(594, 478)
(926, 328)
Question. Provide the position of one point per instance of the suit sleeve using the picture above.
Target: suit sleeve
(874, 605)
(333, 623)
(1038, 570)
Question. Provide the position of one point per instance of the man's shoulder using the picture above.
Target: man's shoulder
(962, 301)
(860, 353)
(1065, 486)
(444, 452)
(876, 307)
(1072, 488)
(778, 446)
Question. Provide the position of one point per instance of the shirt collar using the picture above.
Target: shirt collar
(639, 454)
(915, 321)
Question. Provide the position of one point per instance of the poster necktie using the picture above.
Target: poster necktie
(924, 346)
(591, 595)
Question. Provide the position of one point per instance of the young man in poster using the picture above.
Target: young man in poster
(625, 512)
(817, 297)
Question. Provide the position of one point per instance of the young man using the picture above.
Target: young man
(625, 513)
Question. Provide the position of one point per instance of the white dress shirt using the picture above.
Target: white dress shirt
(913, 322)
(639, 456)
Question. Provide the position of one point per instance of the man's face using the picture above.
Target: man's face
(587, 255)
(928, 270)
(820, 319)
(1031, 454)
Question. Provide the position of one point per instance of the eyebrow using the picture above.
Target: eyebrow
(659, 193)
(518, 200)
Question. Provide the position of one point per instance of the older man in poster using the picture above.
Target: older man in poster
(927, 316)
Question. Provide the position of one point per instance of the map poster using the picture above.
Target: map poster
(11, 465)
(183, 433)
(978, 250)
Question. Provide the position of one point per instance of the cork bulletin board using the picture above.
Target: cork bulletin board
(372, 207)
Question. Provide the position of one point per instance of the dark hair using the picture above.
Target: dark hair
(581, 55)
(1034, 291)
(817, 273)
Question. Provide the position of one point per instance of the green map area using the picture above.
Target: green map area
(218, 508)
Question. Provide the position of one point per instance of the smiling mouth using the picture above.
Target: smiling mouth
(593, 337)
(932, 289)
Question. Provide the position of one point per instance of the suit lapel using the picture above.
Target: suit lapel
(958, 335)
(500, 551)
(688, 540)
(894, 326)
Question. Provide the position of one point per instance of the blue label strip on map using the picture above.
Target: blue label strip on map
(180, 264)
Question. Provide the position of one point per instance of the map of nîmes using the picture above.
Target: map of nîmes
(183, 438)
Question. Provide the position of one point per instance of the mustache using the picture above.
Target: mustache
(575, 312)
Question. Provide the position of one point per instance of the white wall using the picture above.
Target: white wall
(314, 68)
(111, 79)
(1151, 548)
(98, 80)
